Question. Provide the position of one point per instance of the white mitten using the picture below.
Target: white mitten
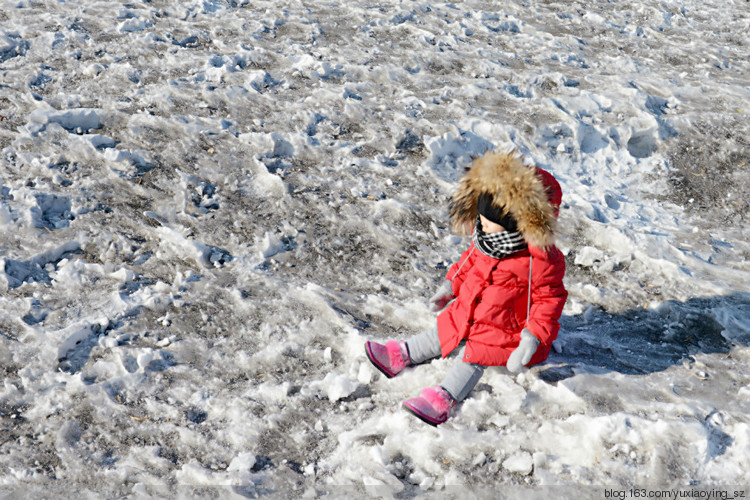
(523, 353)
(443, 295)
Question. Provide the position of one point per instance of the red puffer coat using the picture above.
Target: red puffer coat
(491, 302)
(492, 295)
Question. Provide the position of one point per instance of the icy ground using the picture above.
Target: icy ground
(207, 206)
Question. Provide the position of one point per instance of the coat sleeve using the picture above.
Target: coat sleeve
(458, 271)
(548, 296)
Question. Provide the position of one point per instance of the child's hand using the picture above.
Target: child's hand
(523, 353)
(442, 296)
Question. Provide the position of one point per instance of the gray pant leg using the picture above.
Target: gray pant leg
(424, 346)
(462, 378)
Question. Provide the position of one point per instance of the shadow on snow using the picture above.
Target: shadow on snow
(642, 341)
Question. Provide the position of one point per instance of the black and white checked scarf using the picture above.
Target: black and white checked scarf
(497, 245)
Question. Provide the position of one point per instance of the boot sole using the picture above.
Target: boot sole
(420, 416)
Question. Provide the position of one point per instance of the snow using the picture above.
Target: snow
(206, 208)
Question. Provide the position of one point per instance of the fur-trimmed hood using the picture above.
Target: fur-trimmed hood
(531, 195)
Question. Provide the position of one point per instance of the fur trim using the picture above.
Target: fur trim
(395, 355)
(438, 398)
(515, 188)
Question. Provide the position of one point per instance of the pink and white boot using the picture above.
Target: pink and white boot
(390, 358)
(432, 406)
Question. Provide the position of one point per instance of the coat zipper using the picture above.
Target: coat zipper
(528, 302)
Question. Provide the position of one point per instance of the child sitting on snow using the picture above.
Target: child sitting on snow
(504, 296)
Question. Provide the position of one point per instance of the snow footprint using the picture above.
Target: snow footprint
(52, 211)
(37, 209)
(34, 270)
(12, 45)
(203, 197)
